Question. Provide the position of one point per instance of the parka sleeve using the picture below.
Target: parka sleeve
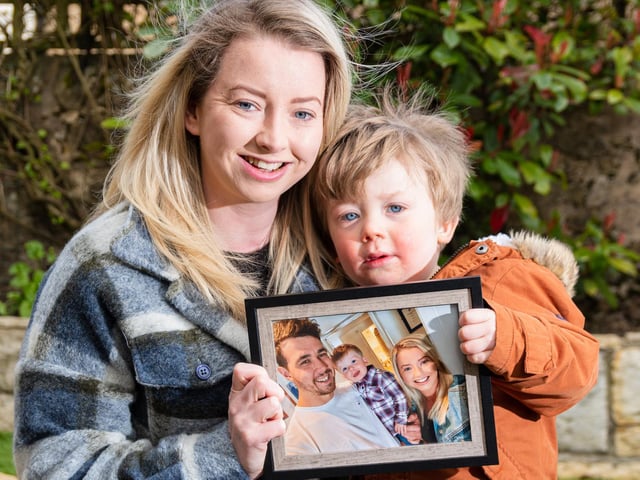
(543, 356)
(81, 411)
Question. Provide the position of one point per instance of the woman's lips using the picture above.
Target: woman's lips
(262, 165)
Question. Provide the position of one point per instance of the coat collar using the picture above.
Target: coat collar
(133, 246)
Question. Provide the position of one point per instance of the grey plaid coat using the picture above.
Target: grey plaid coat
(125, 369)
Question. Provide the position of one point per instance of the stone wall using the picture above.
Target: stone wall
(11, 334)
(598, 438)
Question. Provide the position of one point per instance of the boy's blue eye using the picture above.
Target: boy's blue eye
(395, 208)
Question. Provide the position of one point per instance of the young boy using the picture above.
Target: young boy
(387, 197)
(379, 389)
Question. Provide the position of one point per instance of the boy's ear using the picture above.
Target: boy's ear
(446, 231)
(284, 372)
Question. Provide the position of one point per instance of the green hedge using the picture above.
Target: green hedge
(6, 455)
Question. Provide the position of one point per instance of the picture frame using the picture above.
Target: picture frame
(375, 318)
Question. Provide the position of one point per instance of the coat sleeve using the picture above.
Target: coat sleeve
(81, 410)
(543, 356)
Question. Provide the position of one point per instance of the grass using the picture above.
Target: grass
(6, 455)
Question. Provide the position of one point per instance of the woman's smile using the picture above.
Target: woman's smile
(262, 165)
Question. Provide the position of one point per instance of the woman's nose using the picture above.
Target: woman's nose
(273, 135)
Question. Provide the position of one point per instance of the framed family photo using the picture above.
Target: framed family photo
(337, 350)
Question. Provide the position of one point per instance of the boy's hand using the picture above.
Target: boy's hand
(477, 334)
(255, 415)
(400, 428)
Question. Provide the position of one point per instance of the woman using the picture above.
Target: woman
(127, 368)
(439, 397)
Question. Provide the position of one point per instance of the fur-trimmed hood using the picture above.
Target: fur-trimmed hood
(551, 253)
(548, 252)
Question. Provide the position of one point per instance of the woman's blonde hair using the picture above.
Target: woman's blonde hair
(441, 405)
(158, 169)
(429, 143)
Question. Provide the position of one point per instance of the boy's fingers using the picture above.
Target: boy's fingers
(475, 316)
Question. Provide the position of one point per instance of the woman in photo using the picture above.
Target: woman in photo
(438, 397)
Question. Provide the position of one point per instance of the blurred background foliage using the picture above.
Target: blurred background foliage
(510, 70)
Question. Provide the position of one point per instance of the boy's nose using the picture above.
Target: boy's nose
(371, 229)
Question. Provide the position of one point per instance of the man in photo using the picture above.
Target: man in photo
(327, 418)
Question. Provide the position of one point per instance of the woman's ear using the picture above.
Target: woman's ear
(191, 120)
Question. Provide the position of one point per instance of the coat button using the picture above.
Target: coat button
(203, 372)
(482, 249)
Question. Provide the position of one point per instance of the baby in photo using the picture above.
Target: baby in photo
(379, 388)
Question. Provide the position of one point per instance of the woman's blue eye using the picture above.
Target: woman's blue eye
(303, 115)
(245, 105)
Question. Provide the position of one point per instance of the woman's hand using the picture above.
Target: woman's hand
(477, 334)
(255, 415)
(413, 430)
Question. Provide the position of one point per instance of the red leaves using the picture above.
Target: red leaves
(498, 218)
(498, 18)
(519, 123)
(403, 73)
(541, 42)
(454, 6)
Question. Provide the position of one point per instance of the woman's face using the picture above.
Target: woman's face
(418, 371)
(260, 122)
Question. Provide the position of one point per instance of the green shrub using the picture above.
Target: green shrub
(6, 455)
(25, 279)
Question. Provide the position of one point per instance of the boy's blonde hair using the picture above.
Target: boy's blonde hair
(158, 166)
(429, 144)
(341, 350)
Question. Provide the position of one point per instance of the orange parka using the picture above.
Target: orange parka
(544, 361)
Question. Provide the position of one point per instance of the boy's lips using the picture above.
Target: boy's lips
(375, 258)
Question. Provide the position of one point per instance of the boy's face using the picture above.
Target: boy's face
(352, 366)
(391, 233)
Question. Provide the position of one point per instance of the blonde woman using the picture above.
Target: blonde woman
(439, 398)
(133, 363)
